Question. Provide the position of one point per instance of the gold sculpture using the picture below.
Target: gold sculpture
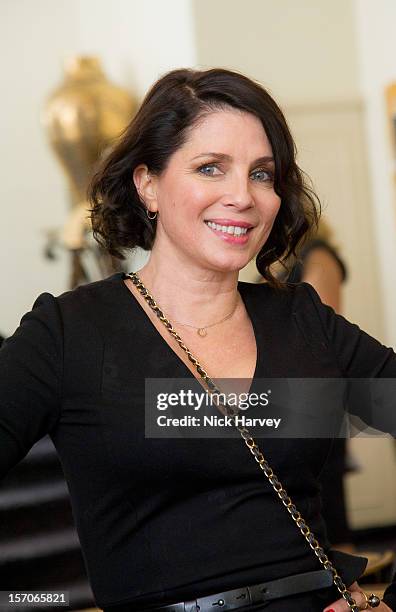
(82, 117)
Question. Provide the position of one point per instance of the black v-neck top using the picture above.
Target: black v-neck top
(165, 520)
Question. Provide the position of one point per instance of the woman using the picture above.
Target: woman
(205, 177)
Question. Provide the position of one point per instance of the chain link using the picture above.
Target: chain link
(254, 450)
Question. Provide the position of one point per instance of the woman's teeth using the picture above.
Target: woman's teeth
(228, 229)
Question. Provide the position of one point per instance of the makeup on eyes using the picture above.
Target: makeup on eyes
(216, 165)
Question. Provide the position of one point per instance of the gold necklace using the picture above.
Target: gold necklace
(201, 331)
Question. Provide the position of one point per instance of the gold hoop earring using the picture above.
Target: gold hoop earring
(151, 215)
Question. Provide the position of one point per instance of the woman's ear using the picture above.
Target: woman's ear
(145, 186)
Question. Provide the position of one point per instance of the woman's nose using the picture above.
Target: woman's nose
(239, 194)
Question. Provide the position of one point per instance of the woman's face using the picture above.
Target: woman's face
(215, 200)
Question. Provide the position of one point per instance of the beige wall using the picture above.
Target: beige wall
(303, 50)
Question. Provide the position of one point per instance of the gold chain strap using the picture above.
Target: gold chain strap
(255, 451)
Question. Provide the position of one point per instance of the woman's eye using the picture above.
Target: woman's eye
(209, 170)
(262, 176)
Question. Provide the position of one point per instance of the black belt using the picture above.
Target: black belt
(251, 595)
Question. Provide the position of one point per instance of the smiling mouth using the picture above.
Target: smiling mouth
(232, 230)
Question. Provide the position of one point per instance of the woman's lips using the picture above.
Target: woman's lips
(232, 238)
(234, 222)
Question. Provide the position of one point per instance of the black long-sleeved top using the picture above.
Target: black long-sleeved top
(163, 520)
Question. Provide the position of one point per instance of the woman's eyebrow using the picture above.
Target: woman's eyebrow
(265, 159)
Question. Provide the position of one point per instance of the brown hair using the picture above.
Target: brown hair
(170, 109)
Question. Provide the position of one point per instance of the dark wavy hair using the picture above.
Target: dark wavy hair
(171, 108)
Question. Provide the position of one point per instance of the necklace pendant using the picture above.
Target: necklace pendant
(202, 332)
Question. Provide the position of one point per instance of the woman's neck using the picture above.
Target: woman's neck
(198, 297)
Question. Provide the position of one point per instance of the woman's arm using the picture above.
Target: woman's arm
(30, 381)
(360, 356)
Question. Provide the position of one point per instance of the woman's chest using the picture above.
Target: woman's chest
(115, 404)
(228, 355)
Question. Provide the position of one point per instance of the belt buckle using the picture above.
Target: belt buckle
(231, 600)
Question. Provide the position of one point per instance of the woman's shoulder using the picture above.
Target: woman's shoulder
(96, 304)
(103, 303)
(91, 299)
(97, 290)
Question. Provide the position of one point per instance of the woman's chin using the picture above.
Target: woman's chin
(228, 266)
